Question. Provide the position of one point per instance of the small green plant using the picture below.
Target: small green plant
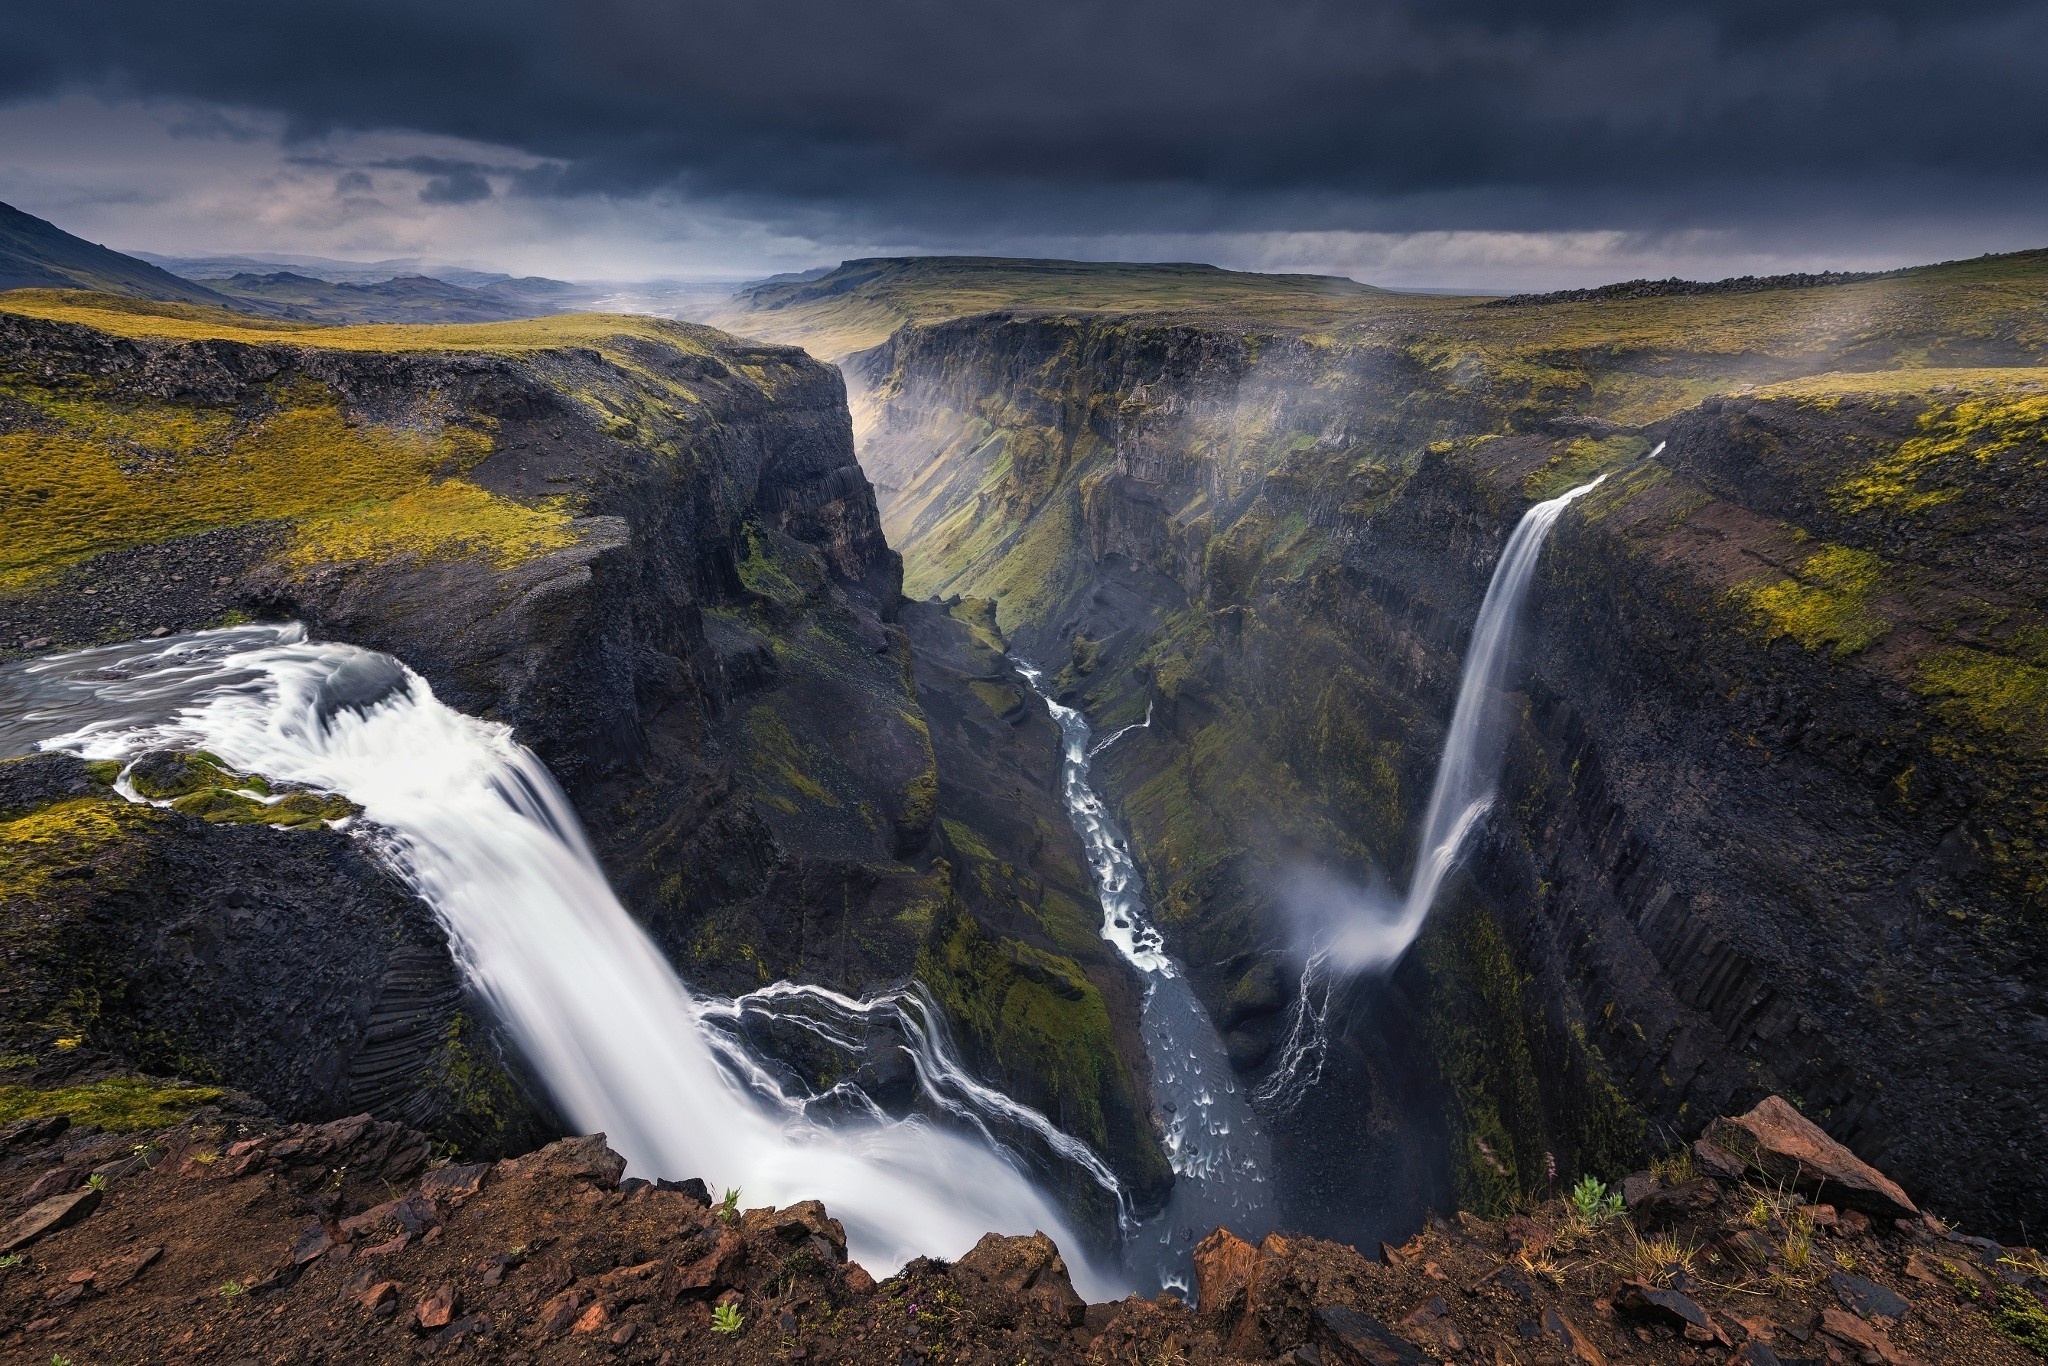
(60, 1361)
(1593, 1202)
(725, 1318)
(2020, 1317)
(229, 1289)
(1798, 1251)
(12, 1260)
(729, 1207)
(97, 1181)
(1759, 1215)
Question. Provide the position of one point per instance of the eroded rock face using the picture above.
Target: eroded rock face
(289, 965)
(1762, 825)
(711, 663)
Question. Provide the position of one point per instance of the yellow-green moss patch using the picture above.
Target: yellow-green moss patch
(1925, 471)
(118, 1104)
(447, 520)
(1826, 604)
(1992, 692)
(48, 844)
(101, 473)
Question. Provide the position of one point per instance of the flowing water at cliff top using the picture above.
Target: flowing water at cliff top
(478, 827)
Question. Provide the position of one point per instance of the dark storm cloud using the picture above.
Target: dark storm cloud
(1141, 114)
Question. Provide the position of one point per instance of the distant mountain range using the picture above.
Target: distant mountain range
(35, 254)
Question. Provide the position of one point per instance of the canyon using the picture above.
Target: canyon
(1767, 823)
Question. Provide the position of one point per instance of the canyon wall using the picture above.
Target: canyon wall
(665, 570)
(1770, 814)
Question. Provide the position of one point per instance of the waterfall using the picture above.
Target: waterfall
(477, 826)
(1465, 775)
(1356, 931)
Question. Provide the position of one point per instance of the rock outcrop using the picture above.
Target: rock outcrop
(342, 1242)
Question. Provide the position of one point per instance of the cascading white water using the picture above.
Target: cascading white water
(478, 827)
(1367, 932)
(1219, 1154)
(1466, 774)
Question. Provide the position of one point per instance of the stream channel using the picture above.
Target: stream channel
(1221, 1159)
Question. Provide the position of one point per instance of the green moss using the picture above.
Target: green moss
(199, 784)
(1580, 461)
(1954, 439)
(1826, 603)
(967, 840)
(97, 471)
(778, 754)
(1000, 698)
(1035, 1014)
(55, 842)
(2019, 1316)
(772, 576)
(1476, 1019)
(1994, 693)
(1522, 1094)
(118, 1104)
(452, 519)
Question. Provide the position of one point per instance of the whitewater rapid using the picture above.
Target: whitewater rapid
(1219, 1153)
(478, 827)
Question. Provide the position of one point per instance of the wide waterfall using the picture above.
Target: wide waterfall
(476, 824)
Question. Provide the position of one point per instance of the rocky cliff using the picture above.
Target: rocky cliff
(1762, 1243)
(649, 549)
(1768, 820)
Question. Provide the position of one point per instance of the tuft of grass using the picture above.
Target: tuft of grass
(1676, 1167)
(729, 1207)
(117, 1104)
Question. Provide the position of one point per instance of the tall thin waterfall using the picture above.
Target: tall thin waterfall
(1470, 766)
(477, 825)
(1369, 932)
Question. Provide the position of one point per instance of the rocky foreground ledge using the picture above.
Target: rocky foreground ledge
(218, 1241)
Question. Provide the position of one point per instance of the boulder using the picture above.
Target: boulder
(47, 1216)
(588, 1158)
(1225, 1267)
(1031, 1267)
(1784, 1145)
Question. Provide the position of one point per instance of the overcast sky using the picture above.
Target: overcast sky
(1476, 143)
